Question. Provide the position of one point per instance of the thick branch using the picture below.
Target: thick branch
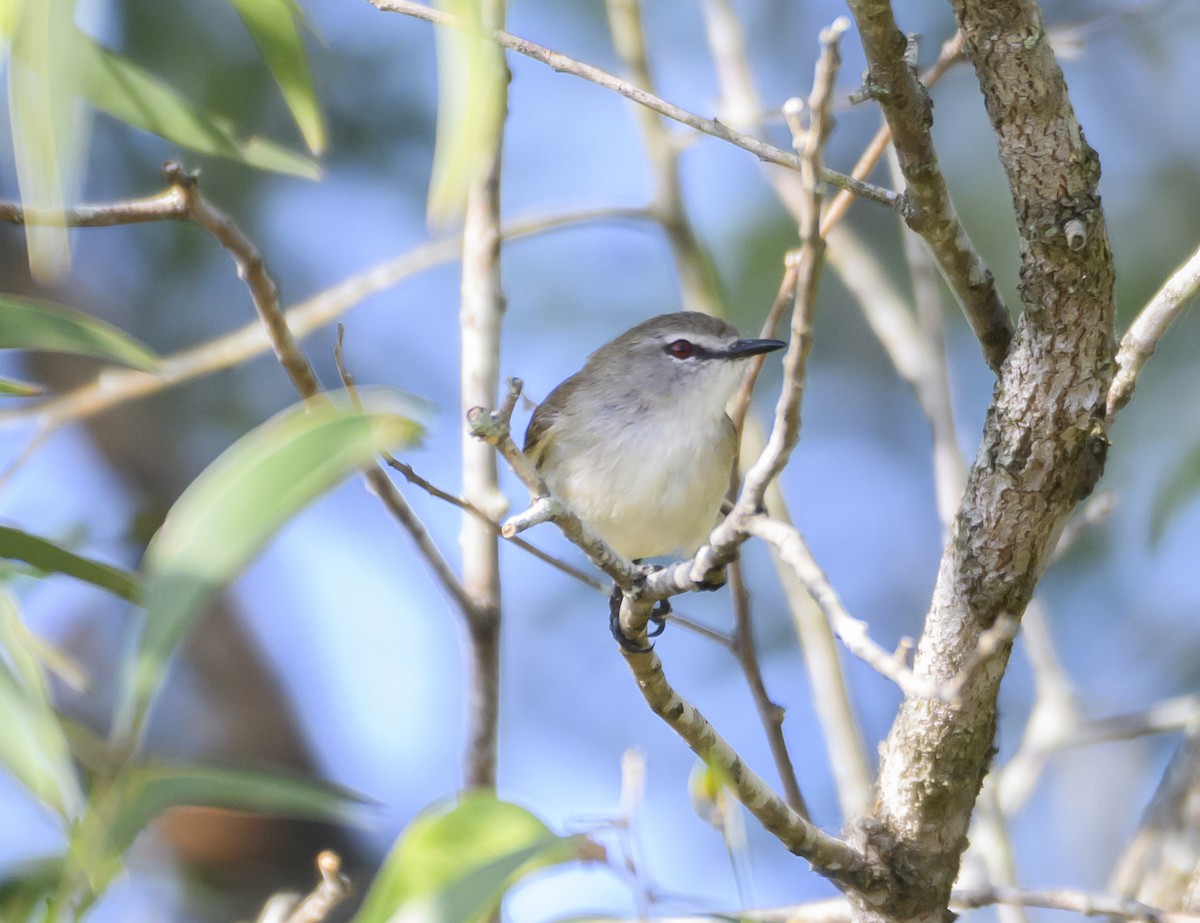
(905, 101)
(1042, 450)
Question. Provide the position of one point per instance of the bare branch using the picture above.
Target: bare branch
(698, 281)
(905, 102)
(950, 55)
(1090, 905)
(992, 850)
(112, 387)
(701, 291)
(790, 544)
(566, 65)
(433, 490)
(770, 715)
(170, 204)
(848, 757)
(480, 316)
(707, 567)
(1142, 337)
(931, 377)
(252, 271)
(381, 485)
(1042, 450)
(1160, 862)
(831, 857)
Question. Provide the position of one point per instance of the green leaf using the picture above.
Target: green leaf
(14, 388)
(116, 85)
(28, 654)
(33, 747)
(1175, 493)
(31, 323)
(150, 789)
(27, 888)
(47, 135)
(50, 558)
(274, 24)
(454, 865)
(472, 90)
(219, 524)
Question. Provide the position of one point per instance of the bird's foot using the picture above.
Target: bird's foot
(654, 628)
(715, 582)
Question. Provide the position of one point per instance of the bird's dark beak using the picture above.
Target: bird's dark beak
(743, 348)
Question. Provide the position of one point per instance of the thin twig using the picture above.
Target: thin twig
(112, 387)
(992, 854)
(433, 490)
(742, 107)
(170, 204)
(1142, 337)
(698, 282)
(784, 299)
(852, 632)
(700, 289)
(381, 485)
(563, 64)
(893, 83)
(770, 715)
(838, 910)
(830, 856)
(265, 295)
(1090, 905)
(683, 718)
(706, 568)
(931, 378)
(950, 55)
(1165, 717)
(252, 270)
(1055, 712)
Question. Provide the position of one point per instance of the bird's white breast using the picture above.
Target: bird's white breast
(652, 486)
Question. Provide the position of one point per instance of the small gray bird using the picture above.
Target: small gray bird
(637, 442)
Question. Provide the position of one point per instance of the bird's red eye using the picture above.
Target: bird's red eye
(681, 349)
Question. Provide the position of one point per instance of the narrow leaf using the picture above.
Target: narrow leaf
(31, 323)
(275, 26)
(1175, 494)
(472, 86)
(27, 888)
(50, 558)
(46, 131)
(151, 789)
(116, 85)
(229, 512)
(31, 655)
(14, 388)
(454, 865)
(33, 747)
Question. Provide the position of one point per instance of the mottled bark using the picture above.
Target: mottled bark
(1042, 450)
(893, 82)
